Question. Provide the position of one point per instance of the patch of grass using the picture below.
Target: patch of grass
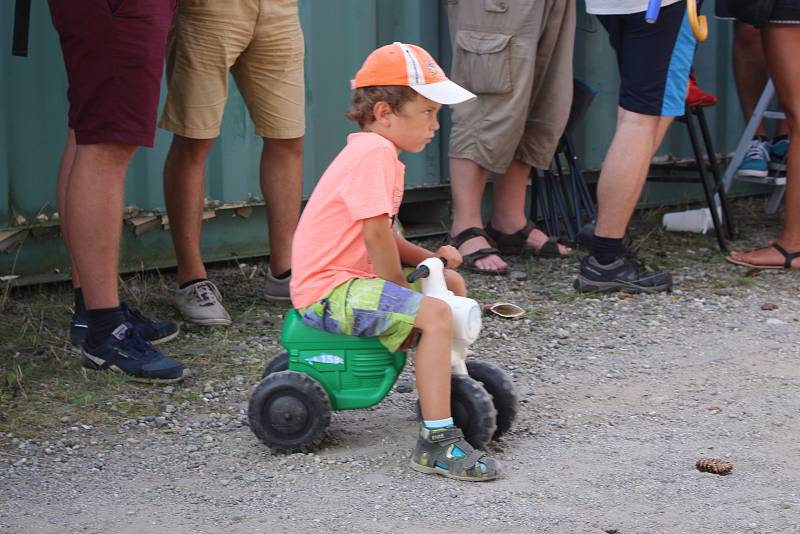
(42, 381)
(572, 296)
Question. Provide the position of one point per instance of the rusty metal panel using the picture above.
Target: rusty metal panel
(339, 34)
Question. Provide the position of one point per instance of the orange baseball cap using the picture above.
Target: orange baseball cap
(410, 65)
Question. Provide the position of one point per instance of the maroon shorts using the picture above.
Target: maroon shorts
(114, 56)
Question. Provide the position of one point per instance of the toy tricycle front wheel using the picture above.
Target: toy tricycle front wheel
(279, 362)
(499, 385)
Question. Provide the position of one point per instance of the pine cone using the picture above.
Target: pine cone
(714, 465)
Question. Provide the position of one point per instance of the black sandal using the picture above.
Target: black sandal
(517, 243)
(470, 259)
(788, 257)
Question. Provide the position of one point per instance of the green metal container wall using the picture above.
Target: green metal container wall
(338, 34)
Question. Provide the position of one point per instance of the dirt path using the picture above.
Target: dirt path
(621, 395)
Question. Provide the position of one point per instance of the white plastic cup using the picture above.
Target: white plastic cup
(698, 221)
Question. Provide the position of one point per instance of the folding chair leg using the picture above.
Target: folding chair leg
(707, 189)
(719, 186)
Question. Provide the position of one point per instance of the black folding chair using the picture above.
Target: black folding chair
(562, 197)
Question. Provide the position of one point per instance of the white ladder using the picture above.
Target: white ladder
(776, 177)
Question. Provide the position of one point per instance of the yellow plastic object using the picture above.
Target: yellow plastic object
(699, 24)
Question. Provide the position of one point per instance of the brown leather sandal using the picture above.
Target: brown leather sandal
(470, 259)
(517, 243)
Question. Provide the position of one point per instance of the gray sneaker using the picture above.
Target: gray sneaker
(201, 303)
(277, 289)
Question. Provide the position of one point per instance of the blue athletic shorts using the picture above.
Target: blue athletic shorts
(654, 60)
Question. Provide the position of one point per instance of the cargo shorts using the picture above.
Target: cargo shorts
(260, 42)
(517, 57)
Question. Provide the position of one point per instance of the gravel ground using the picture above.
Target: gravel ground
(620, 396)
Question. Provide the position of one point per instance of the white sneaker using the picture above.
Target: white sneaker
(201, 303)
(277, 289)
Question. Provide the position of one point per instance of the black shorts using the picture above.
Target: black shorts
(654, 60)
(722, 10)
(784, 12)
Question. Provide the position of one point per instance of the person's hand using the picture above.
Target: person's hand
(451, 254)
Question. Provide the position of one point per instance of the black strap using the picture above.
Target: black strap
(468, 234)
(22, 22)
(788, 257)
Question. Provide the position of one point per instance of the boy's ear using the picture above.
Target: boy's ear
(382, 112)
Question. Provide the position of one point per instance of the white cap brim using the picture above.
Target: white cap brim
(446, 92)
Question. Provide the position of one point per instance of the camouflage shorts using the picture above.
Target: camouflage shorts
(367, 307)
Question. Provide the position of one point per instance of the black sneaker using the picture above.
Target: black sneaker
(623, 274)
(126, 352)
(154, 332)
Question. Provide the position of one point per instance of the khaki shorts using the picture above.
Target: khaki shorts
(260, 42)
(517, 57)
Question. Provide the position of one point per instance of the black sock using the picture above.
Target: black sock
(102, 322)
(190, 282)
(761, 138)
(606, 249)
(80, 305)
(778, 138)
(283, 276)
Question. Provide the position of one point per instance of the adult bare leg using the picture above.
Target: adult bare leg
(624, 171)
(467, 184)
(64, 170)
(94, 206)
(749, 69)
(282, 186)
(184, 192)
(785, 71)
(508, 205)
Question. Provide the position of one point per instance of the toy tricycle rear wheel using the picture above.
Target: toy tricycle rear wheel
(289, 411)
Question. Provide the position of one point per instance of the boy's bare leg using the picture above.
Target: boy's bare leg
(64, 170)
(432, 360)
(282, 187)
(455, 283)
(184, 192)
(93, 205)
(624, 171)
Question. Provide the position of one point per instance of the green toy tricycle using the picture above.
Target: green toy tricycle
(290, 408)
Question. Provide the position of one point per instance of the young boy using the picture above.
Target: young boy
(347, 274)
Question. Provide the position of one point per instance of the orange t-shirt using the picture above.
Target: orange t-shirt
(364, 181)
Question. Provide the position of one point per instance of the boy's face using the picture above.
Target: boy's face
(413, 126)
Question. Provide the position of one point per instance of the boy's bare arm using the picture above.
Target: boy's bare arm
(411, 254)
(382, 249)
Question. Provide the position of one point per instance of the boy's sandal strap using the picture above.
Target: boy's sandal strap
(466, 463)
(788, 257)
(447, 436)
(470, 233)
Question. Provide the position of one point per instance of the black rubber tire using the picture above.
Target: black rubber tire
(473, 410)
(278, 363)
(499, 385)
(289, 411)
